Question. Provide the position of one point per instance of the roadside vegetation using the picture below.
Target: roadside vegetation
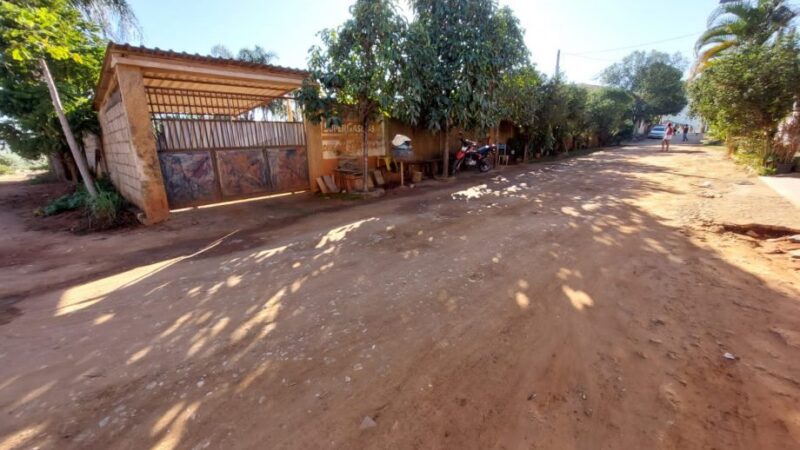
(463, 64)
(746, 82)
(452, 65)
(104, 211)
(11, 163)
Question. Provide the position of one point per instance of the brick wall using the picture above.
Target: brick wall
(119, 155)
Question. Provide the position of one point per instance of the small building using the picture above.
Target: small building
(184, 130)
(181, 130)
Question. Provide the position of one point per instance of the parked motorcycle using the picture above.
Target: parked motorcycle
(470, 155)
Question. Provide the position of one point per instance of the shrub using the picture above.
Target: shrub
(66, 203)
(103, 211)
(745, 95)
(105, 208)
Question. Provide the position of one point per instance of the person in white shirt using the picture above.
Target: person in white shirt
(668, 134)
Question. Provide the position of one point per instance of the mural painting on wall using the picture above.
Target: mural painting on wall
(288, 168)
(346, 140)
(242, 172)
(188, 177)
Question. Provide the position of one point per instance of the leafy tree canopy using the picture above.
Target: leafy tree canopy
(654, 79)
(737, 23)
(354, 74)
(608, 112)
(354, 71)
(56, 31)
(748, 92)
(458, 54)
(519, 97)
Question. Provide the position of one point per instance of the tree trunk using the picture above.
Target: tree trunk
(729, 145)
(73, 145)
(364, 139)
(446, 151)
(57, 169)
(69, 163)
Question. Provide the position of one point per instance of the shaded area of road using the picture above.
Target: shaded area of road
(579, 304)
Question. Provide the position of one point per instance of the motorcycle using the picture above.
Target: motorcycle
(471, 155)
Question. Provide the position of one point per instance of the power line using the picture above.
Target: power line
(634, 46)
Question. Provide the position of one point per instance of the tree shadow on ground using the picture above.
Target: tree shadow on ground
(450, 319)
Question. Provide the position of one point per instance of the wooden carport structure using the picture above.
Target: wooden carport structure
(182, 130)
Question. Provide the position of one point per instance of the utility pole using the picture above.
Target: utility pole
(77, 155)
(558, 63)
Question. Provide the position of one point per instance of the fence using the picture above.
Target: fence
(206, 134)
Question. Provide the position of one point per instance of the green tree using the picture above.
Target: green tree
(738, 23)
(35, 36)
(519, 97)
(608, 113)
(560, 117)
(653, 79)
(458, 53)
(354, 74)
(507, 52)
(574, 124)
(745, 94)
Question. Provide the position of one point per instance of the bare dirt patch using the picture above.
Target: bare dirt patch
(760, 231)
(584, 304)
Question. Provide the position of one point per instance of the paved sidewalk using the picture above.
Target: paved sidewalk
(788, 186)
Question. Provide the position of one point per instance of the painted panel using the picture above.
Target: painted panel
(188, 178)
(288, 169)
(242, 172)
(346, 140)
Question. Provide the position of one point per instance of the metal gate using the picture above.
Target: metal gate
(208, 157)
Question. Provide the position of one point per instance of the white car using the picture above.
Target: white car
(657, 132)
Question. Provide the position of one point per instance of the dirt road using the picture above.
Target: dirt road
(583, 304)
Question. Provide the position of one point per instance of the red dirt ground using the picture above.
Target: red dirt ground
(582, 304)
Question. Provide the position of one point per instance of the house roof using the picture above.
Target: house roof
(198, 75)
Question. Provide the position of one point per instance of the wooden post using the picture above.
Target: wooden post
(446, 151)
(364, 139)
(88, 181)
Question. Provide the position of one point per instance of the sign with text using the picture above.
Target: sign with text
(345, 141)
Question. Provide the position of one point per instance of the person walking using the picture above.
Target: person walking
(686, 133)
(668, 134)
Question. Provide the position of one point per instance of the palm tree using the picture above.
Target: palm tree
(257, 54)
(114, 17)
(736, 23)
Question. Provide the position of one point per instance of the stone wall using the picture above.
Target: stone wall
(118, 152)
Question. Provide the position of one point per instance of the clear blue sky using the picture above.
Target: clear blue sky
(289, 27)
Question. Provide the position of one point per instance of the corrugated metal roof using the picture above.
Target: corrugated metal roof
(192, 61)
(112, 46)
